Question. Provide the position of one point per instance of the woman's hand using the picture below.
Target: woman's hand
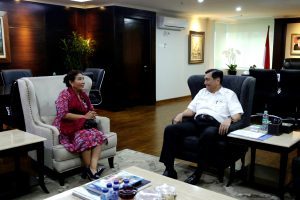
(90, 115)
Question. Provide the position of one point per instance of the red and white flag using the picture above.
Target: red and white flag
(267, 52)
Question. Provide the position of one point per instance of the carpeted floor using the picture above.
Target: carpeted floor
(127, 158)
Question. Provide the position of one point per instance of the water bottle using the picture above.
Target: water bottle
(104, 195)
(116, 182)
(116, 192)
(126, 183)
(116, 187)
(110, 191)
(265, 121)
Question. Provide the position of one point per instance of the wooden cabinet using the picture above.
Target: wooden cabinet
(125, 48)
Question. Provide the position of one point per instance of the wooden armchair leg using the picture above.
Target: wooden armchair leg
(111, 162)
(220, 174)
(61, 180)
(243, 170)
(231, 174)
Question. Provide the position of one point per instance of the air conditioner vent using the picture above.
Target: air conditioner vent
(171, 23)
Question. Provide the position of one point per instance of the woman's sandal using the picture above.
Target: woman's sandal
(87, 173)
(99, 171)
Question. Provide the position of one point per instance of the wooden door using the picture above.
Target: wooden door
(137, 76)
(135, 57)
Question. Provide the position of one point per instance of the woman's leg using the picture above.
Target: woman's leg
(86, 157)
(95, 155)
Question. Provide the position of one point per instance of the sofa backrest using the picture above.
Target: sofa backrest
(291, 63)
(266, 81)
(98, 76)
(11, 75)
(46, 89)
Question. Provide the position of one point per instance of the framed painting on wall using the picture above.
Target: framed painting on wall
(295, 44)
(196, 47)
(4, 39)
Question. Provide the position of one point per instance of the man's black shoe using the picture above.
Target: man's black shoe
(170, 173)
(194, 178)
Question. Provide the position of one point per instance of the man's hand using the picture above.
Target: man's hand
(224, 126)
(177, 119)
(186, 113)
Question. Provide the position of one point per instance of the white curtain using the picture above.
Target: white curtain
(247, 36)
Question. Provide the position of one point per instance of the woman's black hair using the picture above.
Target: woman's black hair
(71, 77)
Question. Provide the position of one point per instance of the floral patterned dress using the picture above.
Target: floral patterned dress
(73, 136)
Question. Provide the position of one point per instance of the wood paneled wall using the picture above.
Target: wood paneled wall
(35, 32)
(27, 35)
(99, 26)
(60, 22)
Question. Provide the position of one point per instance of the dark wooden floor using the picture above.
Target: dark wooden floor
(141, 128)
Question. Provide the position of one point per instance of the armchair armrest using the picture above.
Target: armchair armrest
(103, 124)
(237, 125)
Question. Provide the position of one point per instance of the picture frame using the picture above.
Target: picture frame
(4, 39)
(196, 47)
(295, 44)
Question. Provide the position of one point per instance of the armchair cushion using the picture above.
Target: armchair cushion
(61, 154)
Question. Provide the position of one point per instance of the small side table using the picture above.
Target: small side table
(15, 142)
(4, 101)
(282, 144)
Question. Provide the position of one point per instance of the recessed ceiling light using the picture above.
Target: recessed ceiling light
(238, 9)
(200, 1)
(81, 0)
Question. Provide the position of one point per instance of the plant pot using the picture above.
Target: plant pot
(231, 72)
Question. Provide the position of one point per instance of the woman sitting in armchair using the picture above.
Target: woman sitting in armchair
(76, 122)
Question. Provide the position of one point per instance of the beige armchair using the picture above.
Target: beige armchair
(38, 95)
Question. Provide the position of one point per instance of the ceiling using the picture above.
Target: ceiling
(215, 9)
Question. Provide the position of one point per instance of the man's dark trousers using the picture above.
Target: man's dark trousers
(174, 135)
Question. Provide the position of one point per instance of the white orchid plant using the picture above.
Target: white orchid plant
(230, 55)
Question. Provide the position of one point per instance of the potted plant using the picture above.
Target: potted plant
(230, 55)
(77, 51)
(232, 69)
(252, 67)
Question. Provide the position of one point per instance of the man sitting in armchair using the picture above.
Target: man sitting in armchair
(214, 108)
